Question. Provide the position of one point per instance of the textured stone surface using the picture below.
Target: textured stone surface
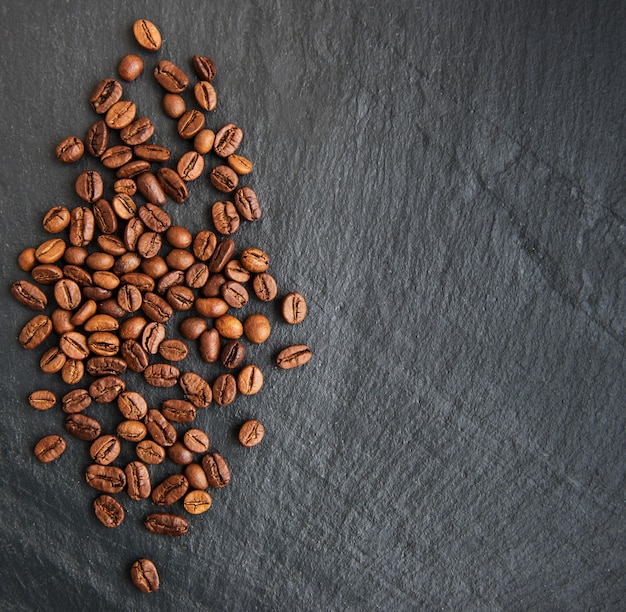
(445, 185)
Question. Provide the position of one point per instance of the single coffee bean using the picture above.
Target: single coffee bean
(105, 217)
(196, 389)
(229, 327)
(190, 166)
(203, 141)
(50, 251)
(234, 271)
(56, 219)
(166, 524)
(205, 95)
(264, 286)
(152, 336)
(132, 328)
(103, 343)
(171, 77)
(145, 576)
(130, 67)
(151, 152)
(190, 124)
(227, 140)
(180, 454)
(49, 448)
(225, 218)
(149, 244)
(132, 431)
(129, 298)
(89, 186)
(196, 441)
(173, 350)
(141, 281)
(133, 169)
(97, 139)
(196, 476)
(106, 366)
(174, 105)
(79, 275)
(222, 255)
(154, 218)
(106, 93)
(293, 308)
(241, 165)
(148, 37)
(106, 280)
(127, 264)
(138, 132)
(75, 255)
(42, 399)
(249, 380)
(116, 156)
(172, 184)
(52, 360)
(134, 355)
(293, 356)
(203, 67)
(169, 280)
(150, 452)
(67, 294)
(72, 372)
(235, 294)
(178, 237)
(204, 245)
(70, 150)
(76, 401)
(257, 328)
(82, 224)
(138, 484)
(112, 308)
(224, 389)
(28, 294)
(197, 275)
(216, 470)
(197, 502)
(105, 449)
(100, 261)
(113, 245)
(83, 427)
(247, 204)
(179, 411)
(120, 115)
(213, 287)
(254, 260)
(26, 260)
(161, 375)
(132, 405)
(224, 179)
(156, 308)
(151, 189)
(211, 307)
(108, 511)
(170, 490)
(46, 274)
(35, 332)
(233, 354)
(251, 433)
(127, 186)
(105, 478)
(192, 327)
(209, 345)
(106, 389)
(180, 297)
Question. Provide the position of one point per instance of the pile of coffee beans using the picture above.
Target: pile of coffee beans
(117, 269)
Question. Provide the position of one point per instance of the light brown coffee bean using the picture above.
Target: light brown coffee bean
(257, 328)
(179, 411)
(172, 78)
(49, 448)
(156, 308)
(105, 478)
(197, 502)
(106, 389)
(120, 115)
(179, 259)
(229, 327)
(50, 251)
(251, 433)
(106, 93)
(42, 399)
(130, 67)
(126, 186)
(166, 524)
(84, 313)
(76, 401)
(227, 140)
(203, 141)
(234, 294)
(138, 484)
(72, 372)
(205, 95)
(241, 165)
(101, 322)
(46, 274)
(224, 389)
(82, 225)
(74, 345)
(170, 490)
(255, 260)
(293, 308)
(196, 441)
(224, 179)
(108, 511)
(138, 132)
(209, 345)
(116, 156)
(35, 332)
(152, 336)
(216, 470)
(161, 430)
(89, 186)
(192, 327)
(27, 260)
(129, 298)
(225, 218)
(293, 356)
(247, 204)
(161, 375)
(82, 427)
(105, 449)
(147, 35)
(197, 275)
(249, 380)
(173, 350)
(204, 245)
(196, 389)
(132, 405)
(172, 184)
(134, 355)
(180, 454)
(190, 123)
(196, 476)
(106, 366)
(174, 105)
(190, 166)
(56, 219)
(233, 270)
(132, 431)
(28, 294)
(178, 237)
(211, 307)
(150, 452)
(70, 150)
(264, 286)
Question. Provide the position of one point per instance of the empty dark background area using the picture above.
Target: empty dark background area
(444, 182)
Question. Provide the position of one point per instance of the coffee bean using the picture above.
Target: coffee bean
(227, 140)
(179, 411)
(77, 400)
(205, 95)
(70, 150)
(145, 576)
(121, 115)
(151, 189)
(28, 294)
(293, 356)
(180, 297)
(106, 280)
(138, 132)
(127, 186)
(241, 165)
(26, 260)
(224, 389)
(127, 264)
(52, 360)
(196, 476)
(103, 343)
(203, 67)
(197, 275)
(161, 375)
(192, 327)
(172, 184)
(84, 313)
(132, 405)
(151, 152)
(149, 244)
(106, 366)
(148, 37)
(138, 484)
(83, 427)
(133, 169)
(190, 124)
(211, 307)
(113, 245)
(166, 524)
(49, 448)
(213, 287)
(50, 251)
(106, 93)
(154, 218)
(110, 307)
(225, 218)
(72, 372)
(75, 255)
(134, 355)
(139, 280)
(169, 280)
(203, 141)
(265, 287)
(82, 223)
(197, 502)
(97, 139)
(233, 354)
(35, 332)
(254, 260)
(56, 219)
(46, 274)
(204, 245)
(170, 490)
(129, 298)
(216, 470)
(190, 166)
(174, 105)
(42, 399)
(132, 431)
(89, 186)
(229, 327)
(173, 350)
(62, 321)
(106, 389)
(67, 294)
(105, 449)
(249, 380)
(116, 156)
(180, 454)
(257, 328)
(108, 511)
(171, 77)
(247, 204)
(105, 478)
(132, 328)
(196, 441)
(100, 261)
(234, 294)
(222, 255)
(105, 217)
(251, 433)
(156, 308)
(209, 345)
(224, 179)
(234, 271)
(150, 452)
(130, 67)
(293, 308)
(178, 237)
(152, 336)
(196, 389)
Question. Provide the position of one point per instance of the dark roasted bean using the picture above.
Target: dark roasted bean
(216, 470)
(172, 184)
(49, 448)
(106, 478)
(196, 389)
(161, 375)
(138, 484)
(161, 430)
(108, 511)
(83, 427)
(166, 524)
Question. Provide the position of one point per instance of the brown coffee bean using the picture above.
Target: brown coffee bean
(293, 356)
(203, 67)
(49, 448)
(134, 355)
(62, 321)
(105, 478)
(180, 454)
(89, 186)
(192, 327)
(74, 345)
(56, 219)
(151, 152)
(28, 294)
(224, 179)
(197, 502)
(145, 576)
(84, 313)
(72, 372)
(229, 327)
(70, 150)
(205, 95)
(196, 441)
(209, 345)
(251, 433)
(204, 245)
(106, 280)
(172, 184)
(156, 308)
(174, 105)
(173, 350)
(180, 297)
(150, 452)
(127, 186)
(171, 77)
(26, 260)
(216, 470)
(247, 204)
(138, 132)
(225, 218)
(106, 389)
(154, 218)
(133, 169)
(50, 251)
(152, 336)
(132, 232)
(178, 237)
(130, 67)
(169, 280)
(46, 274)
(170, 490)
(234, 271)
(97, 138)
(100, 261)
(151, 189)
(196, 476)
(190, 166)
(132, 431)
(224, 389)
(255, 260)
(116, 156)
(132, 328)
(257, 328)
(67, 294)
(203, 141)
(42, 399)
(129, 298)
(234, 294)
(141, 281)
(106, 366)
(132, 405)
(105, 449)
(149, 244)
(166, 524)
(190, 123)
(127, 264)
(227, 140)
(161, 375)
(76, 401)
(138, 484)
(79, 275)
(124, 207)
(213, 287)
(108, 511)
(222, 255)
(82, 427)
(103, 343)
(241, 165)
(233, 354)
(197, 275)
(293, 308)
(249, 380)
(148, 37)
(113, 245)
(106, 93)
(105, 217)
(196, 389)
(82, 224)
(120, 115)
(265, 287)
(211, 307)
(179, 411)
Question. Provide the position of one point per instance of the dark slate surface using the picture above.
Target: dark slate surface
(444, 182)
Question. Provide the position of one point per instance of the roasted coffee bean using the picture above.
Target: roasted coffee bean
(234, 271)
(82, 223)
(156, 308)
(205, 95)
(190, 123)
(105, 449)
(83, 427)
(154, 218)
(174, 105)
(172, 184)
(227, 140)
(129, 298)
(138, 484)
(247, 204)
(170, 490)
(130, 67)
(173, 350)
(100, 261)
(132, 405)
(126, 185)
(132, 328)
(225, 218)
(171, 279)
(106, 280)
(145, 576)
(196, 441)
(112, 308)
(50, 251)
(192, 327)
(152, 153)
(251, 433)
(179, 411)
(224, 389)
(211, 307)
(161, 375)
(241, 165)
(46, 274)
(72, 372)
(76, 401)
(154, 267)
(134, 355)
(149, 244)
(28, 294)
(180, 297)
(116, 156)
(190, 166)
(141, 281)
(132, 431)
(151, 189)
(67, 294)
(108, 511)
(204, 245)
(249, 380)
(148, 37)
(35, 332)
(196, 389)
(49, 448)
(70, 150)
(132, 232)
(178, 237)
(120, 115)
(293, 356)
(113, 245)
(213, 287)
(171, 77)
(233, 354)
(265, 287)
(229, 327)
(106, 366)
(106, 389)
(42, 399)
(89, 186)
(75, 255)
(138, 132)
(103, 343)
(257, 328)
(26, 260)
(56, 219)
(127, 264)
(216, 470)
(180, 454)
(209, 345)
(197, 275)
(224, 179)
(196, 476)
(150, 452)
(105, 478)
(152, 336)
(79, 275)
(132, 169)
(197, 502)
(293, 308)
(52, 360)
(222, 255)
(254, 260)
(106, 93)
(234, 294)
(166, 524)
(62, 321)
(203, 67)
(203, 141)
(97, 139)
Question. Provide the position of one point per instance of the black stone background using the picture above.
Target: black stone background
(444, 182)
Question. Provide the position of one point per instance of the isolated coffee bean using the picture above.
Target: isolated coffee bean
(89, 186)
(293, 308)
(254, 260)
(196, 441)
(105, 478)
(154, 218)
(26, 260)
(132, 431)
(106, 389)
(224, 389)
(174, 105)
(70, 150)
(83, 427)
(227, 140)
(138, 484)
(233, 354)
(171, 77)
(170, 490)
(150, 452)
(77, 400)
(82, 224)
(152, 153)
(179, 411)
(147, 35)
(190, 166)
(216, 470)
(56, 219)
(166, 524)
(35, 332)
(257, 328)
(28, 294)
(105, 449)
(130, 67)
(108, 511)
(224, 179)
(293, 356)
(120, 115)
(172, 184)
(196, 389)
(197, 502)
(247, 204)
(249, 380)
(204, 245)
(49, 448)
(106, 366)
(145, 576)
(50, 251)
(134, 355)
(138, 132)
(196, 476)
(190, 123)
(203, 67)
(106, 93)
(209, 345)
(132, 405)
(97, 138)
(180, 454)
(161, 375)
(251, 433)
(42, 399)
(72, 372)
(205, 95)
(173, 350)
(225, 218)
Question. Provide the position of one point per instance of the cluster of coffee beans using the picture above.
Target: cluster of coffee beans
(115, 288)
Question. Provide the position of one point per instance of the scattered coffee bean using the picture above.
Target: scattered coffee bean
(83, 427)
(171, 77)
(209, 345)
(203, 141)
(205, 95)
(105, 449)
(138, 484)
(241, 165)
(229, 327)
(251, 433)
(180, 454)
(196, 441)
(196, 476)
(293, 356)
(106, 93)
(204, 245)
(257, 328)
(190, 123)
(170, 490)
(224, 389)
(42, 399)
(247, 204)
(145, 576)
(108, 511)
(35, 332)
(130, 67)
(148, 37)
(49, 448)
(133, 431)
(190, 166)
(70, 150)
(106, 389)
(56, 219)
(172, 184)
(173, 350)
(132, 405)
(166, 524)
(216, 470)
(50, 251)
(225, 218)
(28, 294)
(161, 375)
(227, 140)
(161, 430)
(89, 186)
(192, 327)
(224, 179)
(203, 67)
(179, 411)
(77, 400)
(293, 308)
(120, 115)
(97, 138)
(174, 105)
(150, 452)
(249, 380)
(52, 360)
(197, 502)
(196, 389)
